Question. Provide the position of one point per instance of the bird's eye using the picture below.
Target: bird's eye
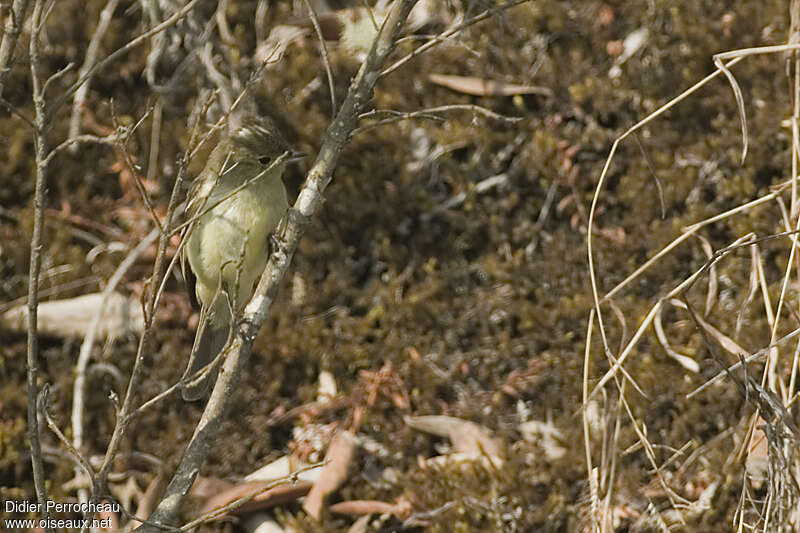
(265, 160)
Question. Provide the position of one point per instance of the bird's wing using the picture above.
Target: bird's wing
(197, 201)
(190, 279)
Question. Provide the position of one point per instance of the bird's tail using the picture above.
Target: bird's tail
(211, 341)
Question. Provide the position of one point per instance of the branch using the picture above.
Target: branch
(174, 19)
(150, 303)
(88, 61)
(43, 407)
(449, 33)
(324, 50)
(11, 32)
(40, 148)
(429, 113)
(79, 387)
(246, 328)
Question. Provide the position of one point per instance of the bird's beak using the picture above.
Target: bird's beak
(295, 156)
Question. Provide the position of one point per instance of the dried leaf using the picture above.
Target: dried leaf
(482, 87)
(757, 461)
(684, 360)
(109, 518)
(71, 317)
(361, 507)
(723, 340)
(271, 498)
(326, 389)
(466, 437)
(206, 487)
(711, 295)
(274, 46)
(338, 459)
(152, 495)
(283, 468)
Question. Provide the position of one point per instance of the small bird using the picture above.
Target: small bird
(229, 244)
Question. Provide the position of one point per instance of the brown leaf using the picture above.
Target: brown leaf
(360, 507)
(152, 495)
(401, 509)
(284, 467)
(757, 460)
(469, 437)
(270, 498)
(206, 487)
(338, 459)
(481, 87)
(466, 436)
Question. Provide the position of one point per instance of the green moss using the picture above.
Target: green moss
(491, 289)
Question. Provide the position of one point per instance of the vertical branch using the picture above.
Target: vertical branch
(246, 328)
(150, 302)
(79, 388)
(794, 60)
(11, 32)
(324, 51)
(130, 45)
(40, 146)
(88, 62)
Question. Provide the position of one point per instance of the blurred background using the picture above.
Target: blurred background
(446, 274)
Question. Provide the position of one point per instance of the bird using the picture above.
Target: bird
(234, 206)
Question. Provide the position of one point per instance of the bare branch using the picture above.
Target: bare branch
(82, 139)
(57, 76)
(447, 34)
(43, 406)
(11, 32)
(88, 62)
(150, 299)
(324, 50)
(246, 328)
(40, 148)
(120, 51)
(429, 113)
(79, 387)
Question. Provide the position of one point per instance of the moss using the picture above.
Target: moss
(495, 285)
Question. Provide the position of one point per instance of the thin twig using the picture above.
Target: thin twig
(40, 150)
(11, 32)
(255, 312)
(447, 34)
(122, 148)
(292, 478)
(155, 139)
(57, 76)
(81, 461)
(79, 385)
(324, 51)
(150, 301)
(222, 23)
(88, 62)
(83, 139)
(429, 113)
(174, 19)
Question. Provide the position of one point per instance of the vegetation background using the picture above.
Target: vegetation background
(419, 291)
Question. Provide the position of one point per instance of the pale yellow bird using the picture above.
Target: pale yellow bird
(229, 242)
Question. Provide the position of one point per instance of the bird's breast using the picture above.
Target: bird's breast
(232, 238)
